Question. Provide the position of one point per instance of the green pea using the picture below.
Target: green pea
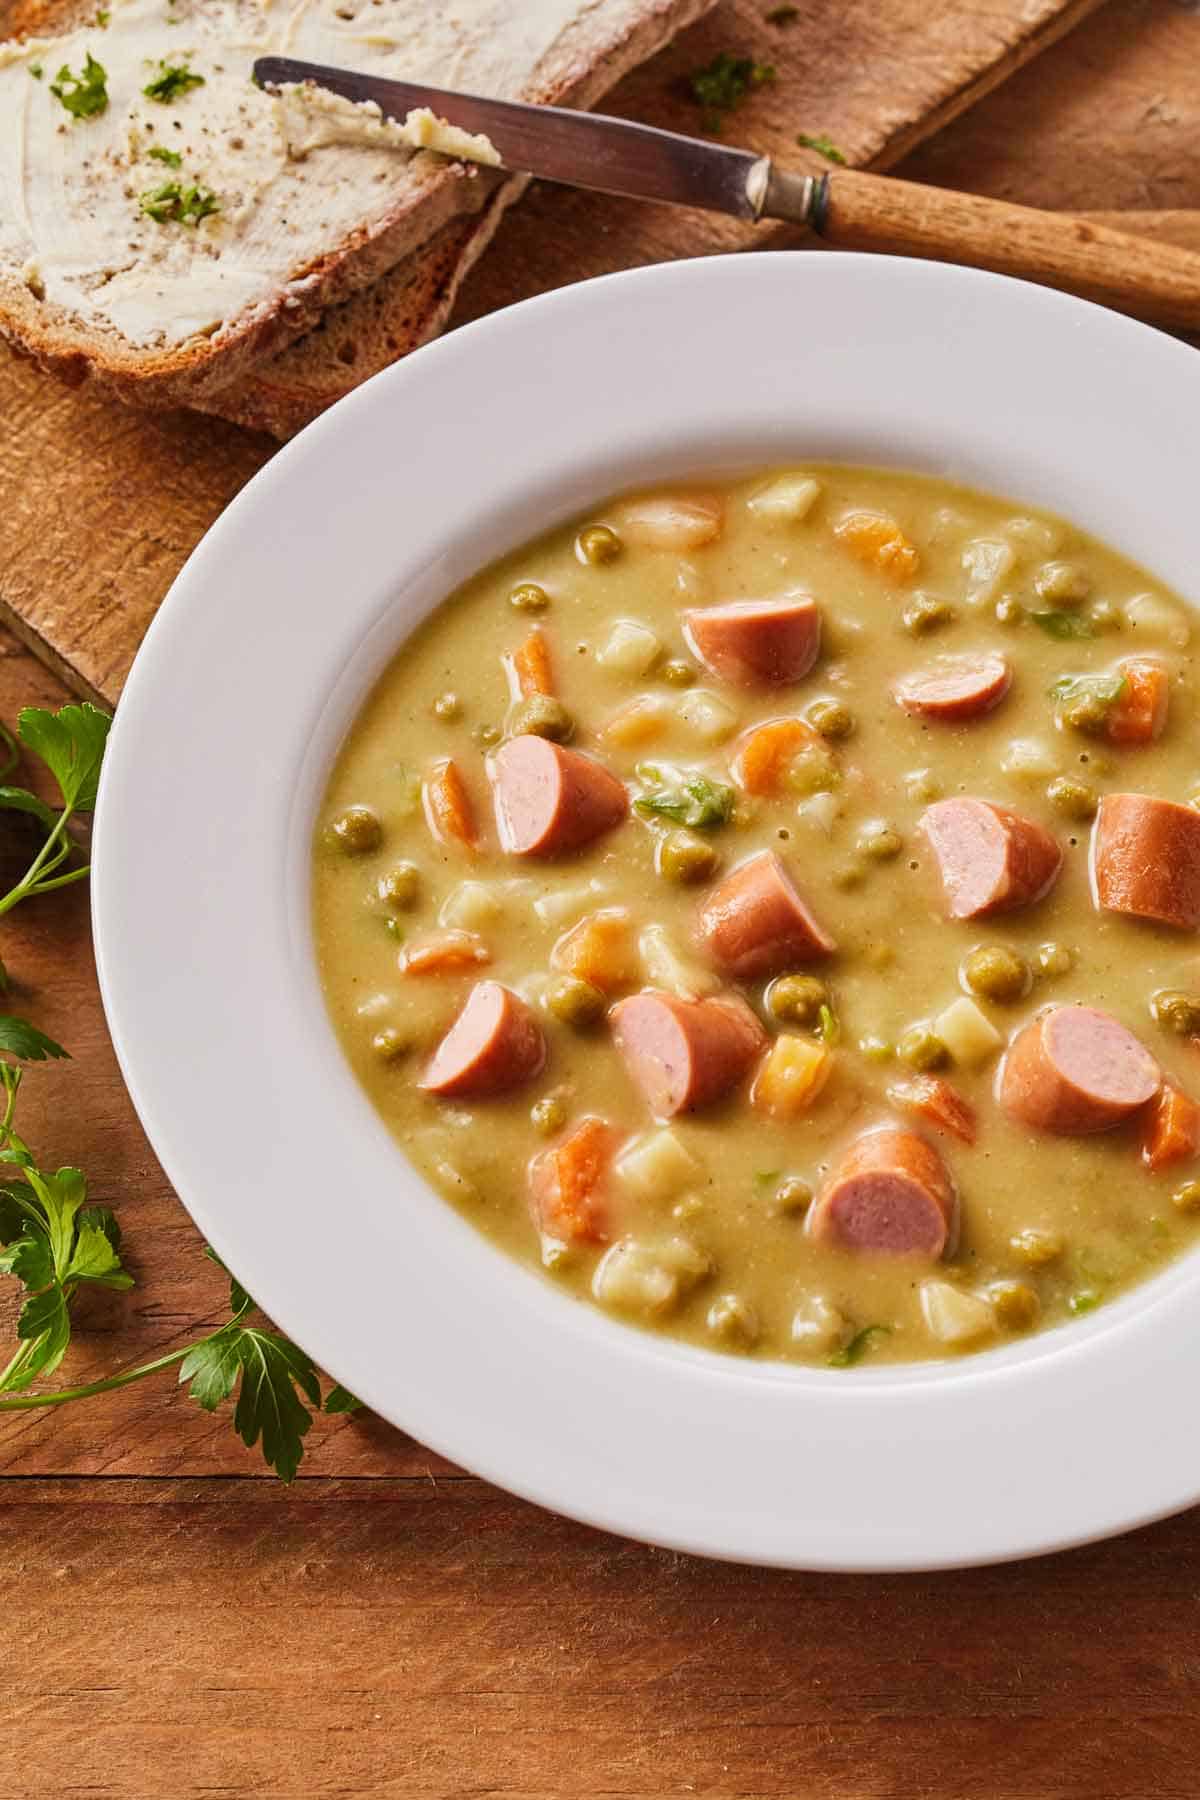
(924, 613)
(1015, 1304)
(1008, 611)
(1036, 1248)
(881, 844)
(543, 716)
(447, 707)
(797, 999)
(921, 1048)
(1187, 1197)
(400, 887)
(678, 672)
(575, 1003)
(684, 857)
(529, 597)
(355, 830)
(831, 719)
(1088, 714)
(1176, 1011)
(389, 1044)
(1074, 799)
(598, 544)
(876, 1049)
(996, 973)
(548, 1115)
(1055, 959)
(487, 736)
(792, 1196)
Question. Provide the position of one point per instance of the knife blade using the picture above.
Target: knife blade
(581, 149)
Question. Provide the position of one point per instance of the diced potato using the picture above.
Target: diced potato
(1157, 619)
(817, 1326)
(1030, 759)
(472, 906)
(599, 950)
(820, 810)
(563, 904)
(673, 521)
(967, 1033)
(792, 1076)
(648, 1278)
(988, 562)
(630, 649)
(953, 1317)
(642, 721)
(664, 967)
(706, 715)
(656, 1167)
(786, 500)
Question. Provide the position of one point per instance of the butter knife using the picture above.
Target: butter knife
(844, 207)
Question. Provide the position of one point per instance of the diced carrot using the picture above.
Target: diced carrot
(875, 537)
(637, 723)
(763, 754)
(673, 521)
(1139, 713)
(448, 810)
(444, 953)
(600, 950)
(565, 1182)
(1170, 1128)
(529, 667)
(941, 1104)
(792, 1076)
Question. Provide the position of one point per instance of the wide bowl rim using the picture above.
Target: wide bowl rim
(697, 1452)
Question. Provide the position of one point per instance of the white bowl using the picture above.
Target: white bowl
(248, 678)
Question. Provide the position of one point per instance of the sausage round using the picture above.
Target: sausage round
(890, 1195)
(990, 858)
(1076, 1070)
(1146, 859)
(494, 1044)
(755, 923)
(684, 1054)
(956, 687)
(549, 799)
(756, 642)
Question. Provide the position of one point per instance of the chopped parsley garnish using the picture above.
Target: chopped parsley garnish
(83, 95)
(1063, 624)
(723, 84)
(37, 71)
(1085, 1301)
(160, 153)
(697, 802)
(172, 80)
(859, 1344)
(173, 204)
(828, 1029)
(102, 19)
(823, 145)
(1104, 690)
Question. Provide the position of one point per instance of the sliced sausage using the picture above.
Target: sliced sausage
(990, 858)
(684, 1054)
(955, 687)
(890, 1195)
(756, 642)
(1075, 1070)
(494, 1044)
(755, 923)
(1146, 859)
(549, 799)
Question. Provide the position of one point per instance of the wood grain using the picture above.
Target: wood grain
(111, 501)
(428, 1640)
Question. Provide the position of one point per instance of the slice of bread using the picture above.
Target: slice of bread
(409, 305)
(165, 225)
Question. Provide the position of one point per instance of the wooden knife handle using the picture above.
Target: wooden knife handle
(847, 207)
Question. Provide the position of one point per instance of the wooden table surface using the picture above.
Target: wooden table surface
(176, 1624)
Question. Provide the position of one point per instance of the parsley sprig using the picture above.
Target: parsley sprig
(52, 1239)
(722, 85)
(174, 204)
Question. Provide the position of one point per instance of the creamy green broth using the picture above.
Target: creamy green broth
(1049, 1227)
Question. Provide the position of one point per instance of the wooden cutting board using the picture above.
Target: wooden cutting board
(103, 504)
